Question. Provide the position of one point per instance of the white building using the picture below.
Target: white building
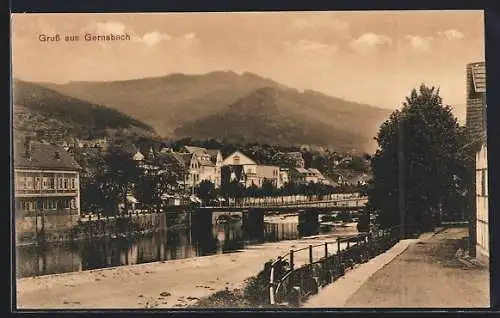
(309, 175)
(482, 233)
(255, 173)
(209, 163)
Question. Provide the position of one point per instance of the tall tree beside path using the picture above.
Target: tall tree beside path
(418, 163)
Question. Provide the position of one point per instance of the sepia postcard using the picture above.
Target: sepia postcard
(276, 160)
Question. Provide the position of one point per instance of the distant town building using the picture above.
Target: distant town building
(359, 179)
(476, 131)
(283, 177)
(254, 173)
(92, 143)
(248, 165)
(46, 183)
(266, 172)
(209, 163)
(233, 173)
(302, 175)
(191, 164)
(138, 156)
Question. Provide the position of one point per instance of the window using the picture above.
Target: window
(236, 160)
(65, 183)
(52, 183)
(73, 183)
(60, 183)
(29, 183)
(28, 206)
(49, 204)
(73, 203)
(37, 183)
(45, 183)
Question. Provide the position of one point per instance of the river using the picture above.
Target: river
(176, 243)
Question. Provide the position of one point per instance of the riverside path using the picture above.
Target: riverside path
(427, 273)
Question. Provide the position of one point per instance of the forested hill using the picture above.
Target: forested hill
(40, 110)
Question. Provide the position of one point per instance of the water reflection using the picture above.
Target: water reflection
(176, 243)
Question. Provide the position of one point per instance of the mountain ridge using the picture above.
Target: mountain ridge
(39, 109)
(172, 102)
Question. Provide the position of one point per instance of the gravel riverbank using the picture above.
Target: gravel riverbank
(170, 284)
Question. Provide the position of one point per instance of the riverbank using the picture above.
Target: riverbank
(171, 284)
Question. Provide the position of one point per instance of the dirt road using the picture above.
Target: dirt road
(428, 274)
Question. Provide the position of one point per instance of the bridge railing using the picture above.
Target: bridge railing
(294, 277)
(313, 201)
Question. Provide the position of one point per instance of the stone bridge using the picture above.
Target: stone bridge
(308, 210)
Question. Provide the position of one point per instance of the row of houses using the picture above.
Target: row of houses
(202, 164)
(47, 177)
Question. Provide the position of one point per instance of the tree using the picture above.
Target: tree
(288, 188)
(119, 177)
(252, 191)
(233, 189)
(206, 191)
(268, 188)
(91, 161)
(363, 222)
(418, 154)
(358, 164)
(149, 188)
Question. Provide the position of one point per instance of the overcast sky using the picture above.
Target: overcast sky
(371, 57)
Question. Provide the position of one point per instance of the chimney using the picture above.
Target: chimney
(27, 147)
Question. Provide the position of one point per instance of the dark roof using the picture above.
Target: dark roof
(213, 154)
(185, 158)
(205, 162)
(476, 102)
(193, 149)
(172, 161)
(44, 156)
(199, 151)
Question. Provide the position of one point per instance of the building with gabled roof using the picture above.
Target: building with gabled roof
(193, 149)
(477, 137)
(302, 175)
(209, 163)
(254, 173)
(46, 183)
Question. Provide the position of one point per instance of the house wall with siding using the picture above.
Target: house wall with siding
(482, 231)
